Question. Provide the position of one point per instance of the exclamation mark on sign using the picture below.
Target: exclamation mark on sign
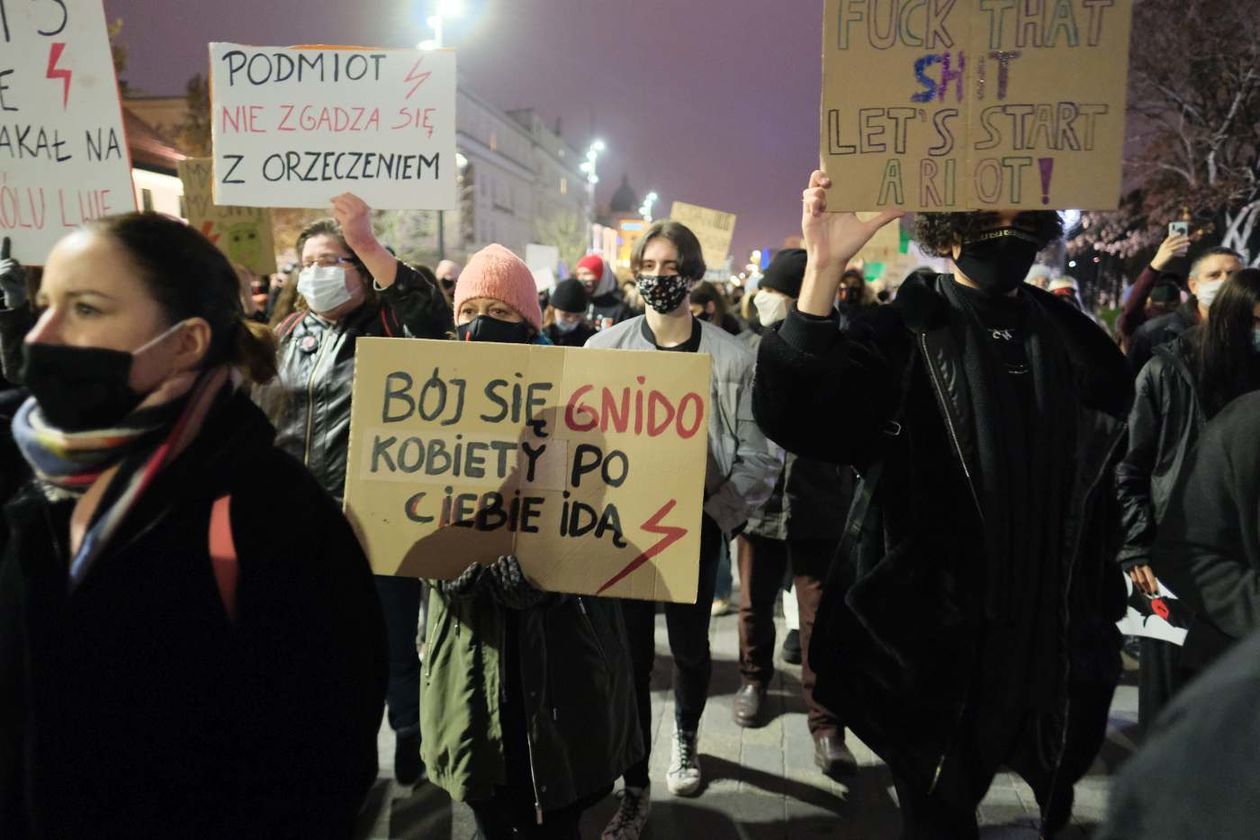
(1047, 169)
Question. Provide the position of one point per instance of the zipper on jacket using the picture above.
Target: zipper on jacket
(590, 625)
(949, 424)
(310, 394)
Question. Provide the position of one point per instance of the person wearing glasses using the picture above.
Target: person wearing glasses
(972, 625)
(352, 287)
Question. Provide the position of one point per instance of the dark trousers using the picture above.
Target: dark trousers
(496, 822)
(927, 816)
(688, 626)
(400, 601)
(1160, 676)
(763, 562)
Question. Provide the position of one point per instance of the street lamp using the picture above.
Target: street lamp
(446, 9)
(646, 210)
(588, 168)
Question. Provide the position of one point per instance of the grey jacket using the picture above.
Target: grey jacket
(743, 464)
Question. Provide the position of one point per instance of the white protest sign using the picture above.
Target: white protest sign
(294, 126)
(540, 257)
(1163, 617)
(63, 154)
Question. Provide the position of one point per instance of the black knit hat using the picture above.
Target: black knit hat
(570, 296)
(786, 272)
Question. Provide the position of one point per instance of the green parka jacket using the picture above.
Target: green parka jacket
(582, 726)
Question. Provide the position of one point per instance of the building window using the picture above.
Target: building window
(146, 200)
(564, 186)
(494, 141)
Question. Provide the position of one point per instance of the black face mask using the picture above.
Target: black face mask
(80, 388)
(485, 328)
(998, 260)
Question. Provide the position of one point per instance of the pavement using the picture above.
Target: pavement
(761, 784)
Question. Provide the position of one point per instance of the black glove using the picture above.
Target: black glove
(12, 280)
(464, 587)
(510, 588)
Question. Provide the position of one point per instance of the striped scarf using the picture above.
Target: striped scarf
(68, 463)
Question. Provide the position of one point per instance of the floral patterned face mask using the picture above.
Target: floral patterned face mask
(664, 292)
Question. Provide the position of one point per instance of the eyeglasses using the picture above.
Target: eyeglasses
(328, 261)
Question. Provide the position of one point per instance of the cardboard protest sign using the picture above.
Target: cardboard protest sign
(63, 154)
(588, 465)
(713, 228)
(974, 104)
(542, 261)
(1163, 617)
(884, 245)
(294, 126)
(243, 233)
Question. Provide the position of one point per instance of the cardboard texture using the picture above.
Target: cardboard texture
(713, 228)
(974, 104)
(294, 126)
(244, 234)
(588, 465)
(63, 153)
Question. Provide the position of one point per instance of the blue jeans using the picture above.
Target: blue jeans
(400, 601)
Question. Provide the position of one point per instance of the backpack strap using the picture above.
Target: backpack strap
(223, 559)
(289, 324)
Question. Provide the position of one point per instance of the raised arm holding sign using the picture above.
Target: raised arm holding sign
(294, 126)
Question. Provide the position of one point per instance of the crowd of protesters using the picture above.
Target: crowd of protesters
(951, 482)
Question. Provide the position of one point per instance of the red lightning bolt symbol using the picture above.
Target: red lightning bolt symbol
(418, 78)
(54, 72)
(669, 536)
(206, 227)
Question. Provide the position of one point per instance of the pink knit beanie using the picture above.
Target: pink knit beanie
(495, 272)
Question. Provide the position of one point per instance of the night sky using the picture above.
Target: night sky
(714, 102)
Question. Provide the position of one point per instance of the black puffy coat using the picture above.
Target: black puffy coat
(132, 707)
(1164, 427)
(309, 402)
(897, 653)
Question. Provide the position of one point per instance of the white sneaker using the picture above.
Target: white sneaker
(683, 778)
(631, 816)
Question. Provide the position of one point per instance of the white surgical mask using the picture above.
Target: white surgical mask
(771, 308)
(324, 287)
(1207, 292)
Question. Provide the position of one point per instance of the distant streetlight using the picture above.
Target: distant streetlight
(588, 168)
(646, 210)
(446, 10)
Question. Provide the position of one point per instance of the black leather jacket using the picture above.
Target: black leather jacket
(1164, 427)
(309, 402)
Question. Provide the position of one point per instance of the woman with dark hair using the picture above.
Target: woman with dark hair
(172, 664)
(1186, 383)
(708, 303)
(351, 287)
(529, 711)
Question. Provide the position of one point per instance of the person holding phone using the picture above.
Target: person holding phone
(1208, 273)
